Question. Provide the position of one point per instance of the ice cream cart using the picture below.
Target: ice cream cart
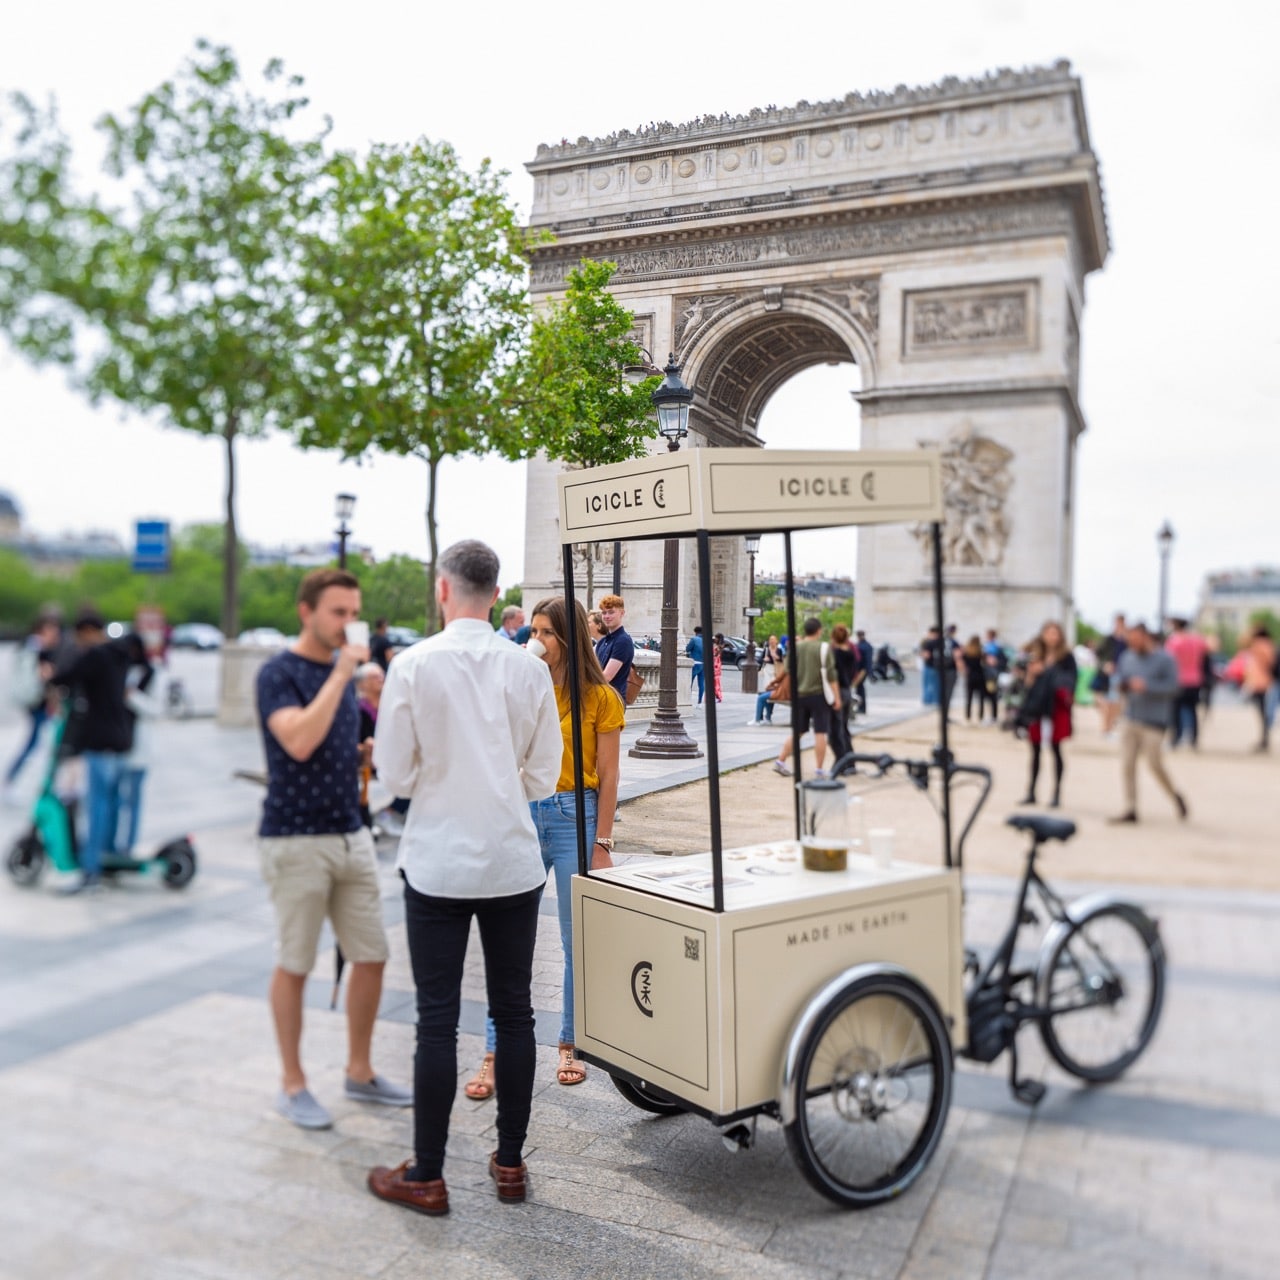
(739, 982)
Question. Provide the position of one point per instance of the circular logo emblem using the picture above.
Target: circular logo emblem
(642, 987)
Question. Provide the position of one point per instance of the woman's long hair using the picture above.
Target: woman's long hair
(589, 672)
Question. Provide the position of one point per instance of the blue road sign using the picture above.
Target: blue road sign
(151, 546)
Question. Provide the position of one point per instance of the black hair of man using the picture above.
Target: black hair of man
(812, 626)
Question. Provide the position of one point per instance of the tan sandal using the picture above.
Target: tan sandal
(571, 1070)
(480, 1087)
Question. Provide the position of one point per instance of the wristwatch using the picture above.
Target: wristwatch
(605, 842)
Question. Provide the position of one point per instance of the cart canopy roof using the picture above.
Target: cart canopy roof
(748, 491)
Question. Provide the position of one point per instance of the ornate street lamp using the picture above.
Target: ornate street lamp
(666, 737)
(750, 668)
(344, 505)
(1164, 544)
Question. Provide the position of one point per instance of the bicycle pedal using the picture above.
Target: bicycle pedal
(1029, 1092)
(1028, 916)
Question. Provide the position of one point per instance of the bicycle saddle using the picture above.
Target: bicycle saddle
(1041, 827)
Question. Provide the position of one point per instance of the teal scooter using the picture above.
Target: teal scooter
(51, 838)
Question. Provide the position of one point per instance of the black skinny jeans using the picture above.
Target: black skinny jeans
(438, 930)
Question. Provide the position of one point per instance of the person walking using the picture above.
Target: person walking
(717, 666)
(1189, 650)
(975, 677)
(144, 708)
(100, 730)
(815, 692)
(1259, 677)
(556, 816)
(469, 729)
(1105, 685)
(847, 672)
(930, 688)
(1051, 675)
(694, 650)
(316, 853)
(866, 659)
(33, 664)
(616, 651)
(380, 646)
(1147, 678)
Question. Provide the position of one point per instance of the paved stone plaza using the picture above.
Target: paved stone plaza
(137, 1075)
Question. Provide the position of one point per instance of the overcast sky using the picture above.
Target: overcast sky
(1180, 337)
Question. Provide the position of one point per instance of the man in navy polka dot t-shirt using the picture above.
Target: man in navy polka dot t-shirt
(317, 856)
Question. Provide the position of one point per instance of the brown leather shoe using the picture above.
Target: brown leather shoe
(422, 1197)
(512, 1181)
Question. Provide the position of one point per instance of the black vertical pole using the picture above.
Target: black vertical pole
(575, 710)
(617, 568)
(944, 749)
(793, 664)
(713, 741)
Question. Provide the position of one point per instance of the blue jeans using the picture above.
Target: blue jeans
(130, 815)
(929, 686)
(103, 800)
(438, 929)
(764, 706)
(698, 677)
(38, 716)
(555, 821)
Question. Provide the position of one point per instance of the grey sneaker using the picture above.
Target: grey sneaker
(303, 1110)
(379, 1089)
(782, 767)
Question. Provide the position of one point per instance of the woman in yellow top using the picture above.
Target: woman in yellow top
(556, 817)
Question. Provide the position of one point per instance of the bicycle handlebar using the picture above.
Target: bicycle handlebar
(918, 772)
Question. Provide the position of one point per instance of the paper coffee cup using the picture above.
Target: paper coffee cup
(358, 634)
(881, 842)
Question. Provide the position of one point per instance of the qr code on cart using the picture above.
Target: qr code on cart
(690, 948)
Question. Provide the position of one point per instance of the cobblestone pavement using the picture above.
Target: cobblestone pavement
(137, 1073)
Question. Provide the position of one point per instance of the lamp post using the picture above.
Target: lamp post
(344, 505)
(666, 737)
(1164, 544)
(750, 668)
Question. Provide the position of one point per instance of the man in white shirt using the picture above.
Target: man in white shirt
(468, 729)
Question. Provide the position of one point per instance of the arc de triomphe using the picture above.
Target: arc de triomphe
(937, 237)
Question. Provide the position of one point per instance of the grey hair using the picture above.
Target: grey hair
(472, 567)
(367, 669)
(510, 612)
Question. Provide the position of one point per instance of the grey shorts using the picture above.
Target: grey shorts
(314, 877)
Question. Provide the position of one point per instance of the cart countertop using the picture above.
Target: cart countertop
(756, 875)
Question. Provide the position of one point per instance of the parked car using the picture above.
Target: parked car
(733, 651)
(195, 635)
(264, 637)
(403, 637)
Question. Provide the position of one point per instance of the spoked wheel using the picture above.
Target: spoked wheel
(179, 864)
(25, 859)
(1104, 987)
(647, 1099)
(872, 1088)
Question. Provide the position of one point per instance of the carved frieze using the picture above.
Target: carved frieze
(860, 298)
(699, 256)
(693, 313)
(971, 320)
(976, 479)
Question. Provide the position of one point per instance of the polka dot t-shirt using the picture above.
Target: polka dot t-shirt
(319, 796)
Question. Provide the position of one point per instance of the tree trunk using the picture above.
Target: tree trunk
(591, 574)
(433, 621)
(230, 540)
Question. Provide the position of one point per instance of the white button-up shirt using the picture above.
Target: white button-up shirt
(468, 729)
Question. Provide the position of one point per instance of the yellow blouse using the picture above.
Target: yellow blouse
(602, 712)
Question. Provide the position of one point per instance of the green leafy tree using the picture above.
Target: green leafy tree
(189, 294)
(395, 589)
(416, 304)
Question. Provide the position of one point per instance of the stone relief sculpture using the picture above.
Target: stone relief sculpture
(976, 480)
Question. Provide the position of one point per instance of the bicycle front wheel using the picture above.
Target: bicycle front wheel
(1103, 986)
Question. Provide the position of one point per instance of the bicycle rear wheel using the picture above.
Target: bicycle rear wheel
(1104, 987)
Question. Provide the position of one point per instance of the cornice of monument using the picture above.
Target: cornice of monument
(1001, 83)
(842, 233)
